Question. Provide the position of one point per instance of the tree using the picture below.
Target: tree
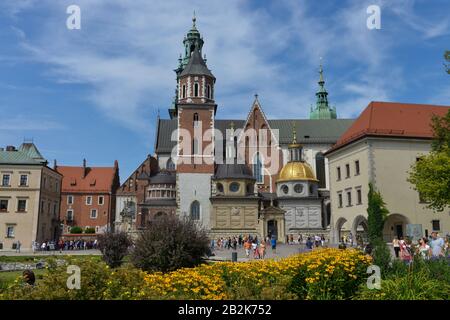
(430, 175)
(441, 132)
(169, 243)
(431, 178)
(114, 247)
(376, 214)
(447, 58)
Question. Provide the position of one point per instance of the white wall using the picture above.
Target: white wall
(191, 187)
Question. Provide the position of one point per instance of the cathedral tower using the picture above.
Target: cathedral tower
(195, 111)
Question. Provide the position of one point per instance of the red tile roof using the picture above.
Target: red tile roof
(392, 119)
(97, 179)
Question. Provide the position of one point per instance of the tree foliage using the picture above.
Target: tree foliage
(447, 58)
(114, 247)
(169, 243)
(376, 214)
(430, 175)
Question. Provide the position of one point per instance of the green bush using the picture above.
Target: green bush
(89, 230)
(412, 286)
(382, 257)
(76, 230)
(169, 243)
(114, 247)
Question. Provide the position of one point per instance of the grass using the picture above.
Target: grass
(34, 259)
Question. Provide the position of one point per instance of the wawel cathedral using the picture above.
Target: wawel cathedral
(239, 176)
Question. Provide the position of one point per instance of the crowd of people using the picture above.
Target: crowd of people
(65, 245)
(256, 248)
(433, 247)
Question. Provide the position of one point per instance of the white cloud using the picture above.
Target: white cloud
(126, 51)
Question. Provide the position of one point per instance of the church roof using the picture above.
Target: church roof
(308, 131)
(196, 66)
(233, 171)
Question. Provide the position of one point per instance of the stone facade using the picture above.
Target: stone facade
(29, 198)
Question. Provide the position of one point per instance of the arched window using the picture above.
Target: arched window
(320, 169)
(184, 91)
(258, 169)
(196, 89)
(195, 210)
(208, 91)
(196, 120)
(170, 165)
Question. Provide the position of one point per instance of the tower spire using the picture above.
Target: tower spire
(194, 19)
(322, 109)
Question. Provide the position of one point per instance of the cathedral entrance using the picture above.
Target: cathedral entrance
(272, 229)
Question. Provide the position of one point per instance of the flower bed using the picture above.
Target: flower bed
(321, 274)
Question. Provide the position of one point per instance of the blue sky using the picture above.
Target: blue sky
(94, 93)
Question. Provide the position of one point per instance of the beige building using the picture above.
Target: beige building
(380, 147)
(234, 203)
(29, 198)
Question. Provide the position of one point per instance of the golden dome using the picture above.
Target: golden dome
(297, 170)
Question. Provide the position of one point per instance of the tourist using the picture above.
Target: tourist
(405, 252)
(322, 241)
(43, 246)
(350, 239)
(18, 244)
(262, 250)
(424, 249)
(274, 244)
(396, 246)
(437, 246)
(309, 244)
(247, 246)
(300, 239)
(255, 249)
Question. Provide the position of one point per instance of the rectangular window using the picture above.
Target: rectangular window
(3, 205)
(101, 200)
(69, 215)
(356, 167)
(340, 199)
(6, 180)
(347, 171)
(94, 214)
(10, 231)
(338, 173)
(349, 198)
(21, 205)
(359, 196)
(23, 180)
(69, 199)
(436, 225)
(89, 200)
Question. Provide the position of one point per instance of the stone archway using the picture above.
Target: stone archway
(339, 234)
(395, 226)
(359, 229)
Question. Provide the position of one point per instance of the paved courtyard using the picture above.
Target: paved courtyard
(282, 251)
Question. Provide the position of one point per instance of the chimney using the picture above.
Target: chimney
(84, 168)
(116, 164)
(55, 165)
(10, 148)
